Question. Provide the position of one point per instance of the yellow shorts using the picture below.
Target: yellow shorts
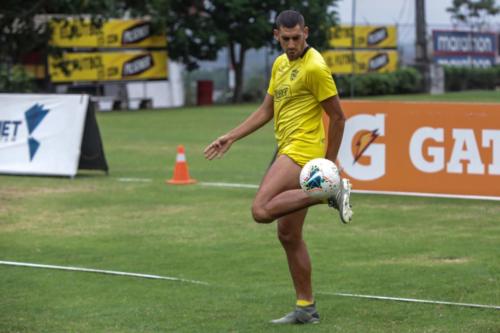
(301, 152)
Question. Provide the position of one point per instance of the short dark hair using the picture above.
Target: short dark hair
(289, 19)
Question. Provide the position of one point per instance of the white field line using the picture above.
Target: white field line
(91, 270)
(413, 194)
(413, 300)
(158, 277)
(434, 195)
(236, 185)
(137, 180)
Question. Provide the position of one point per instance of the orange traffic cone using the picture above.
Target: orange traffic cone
(181, 172)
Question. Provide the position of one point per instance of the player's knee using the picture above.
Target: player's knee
(288, 238)
(260, 215)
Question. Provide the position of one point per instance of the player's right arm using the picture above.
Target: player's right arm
(255, 121)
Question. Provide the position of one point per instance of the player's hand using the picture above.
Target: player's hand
(217, 148)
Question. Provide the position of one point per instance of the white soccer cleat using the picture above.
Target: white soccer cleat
(341, 201)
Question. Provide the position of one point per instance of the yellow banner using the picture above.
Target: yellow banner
(341, 62)
(109, 66)
(365, 36)
(73, 32)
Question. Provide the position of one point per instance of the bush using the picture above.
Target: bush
(402, 81)
(465, 78)
(15, 79)
(409, 80)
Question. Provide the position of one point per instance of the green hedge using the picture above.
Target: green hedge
(15, 79)
(464, 78)
(403, 81)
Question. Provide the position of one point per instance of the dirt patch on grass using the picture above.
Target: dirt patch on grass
(449, 260)
(417, 261)
(14, 193)
(390, 207)
(426, 261)
(94, 221)
(11, 197)
(68, 223)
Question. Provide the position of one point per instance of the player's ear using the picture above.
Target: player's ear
(306, 32)
(276, 34)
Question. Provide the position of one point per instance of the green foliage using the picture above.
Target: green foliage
(15, 79)
(466, 78)
(24, 23)
(320, 17)
(198, 29)
(409, 80)
(403, 81)
(473, 13)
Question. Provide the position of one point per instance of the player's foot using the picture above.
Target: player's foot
(301, 315)
(341, 201)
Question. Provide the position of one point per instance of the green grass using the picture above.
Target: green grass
(441, 249)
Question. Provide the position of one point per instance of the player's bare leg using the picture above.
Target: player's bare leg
(299, 263)
(280, 197)
(279, 193)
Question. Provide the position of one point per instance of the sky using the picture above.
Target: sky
(396, 11)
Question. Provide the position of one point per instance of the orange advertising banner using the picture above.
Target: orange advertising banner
(438, 149)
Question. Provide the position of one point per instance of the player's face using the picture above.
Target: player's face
(292, 40)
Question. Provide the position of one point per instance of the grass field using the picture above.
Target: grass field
(437, 249)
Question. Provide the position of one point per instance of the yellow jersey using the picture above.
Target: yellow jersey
(297, 88)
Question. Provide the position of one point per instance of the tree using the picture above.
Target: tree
(473, 13)
(197, 30)
(24, 28)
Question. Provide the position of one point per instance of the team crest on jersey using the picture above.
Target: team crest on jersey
(293, 74)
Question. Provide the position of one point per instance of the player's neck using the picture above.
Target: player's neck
(306, 48)
(302, 54)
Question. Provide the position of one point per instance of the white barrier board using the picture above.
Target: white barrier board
(41, 134)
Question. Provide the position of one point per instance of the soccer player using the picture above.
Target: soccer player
(300, 89)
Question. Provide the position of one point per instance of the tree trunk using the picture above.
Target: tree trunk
(238, 64)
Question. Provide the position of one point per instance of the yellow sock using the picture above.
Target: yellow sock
(304, 303)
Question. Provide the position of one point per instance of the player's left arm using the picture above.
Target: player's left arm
(334, 111)
(320, 82)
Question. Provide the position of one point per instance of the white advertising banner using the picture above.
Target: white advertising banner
(41, 134)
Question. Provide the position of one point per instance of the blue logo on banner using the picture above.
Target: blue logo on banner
(34, 117)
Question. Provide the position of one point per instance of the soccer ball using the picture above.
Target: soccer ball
(320, 178)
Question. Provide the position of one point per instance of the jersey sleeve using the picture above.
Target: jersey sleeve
(320, 82)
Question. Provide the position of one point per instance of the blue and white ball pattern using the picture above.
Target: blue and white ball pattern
(320, 178)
